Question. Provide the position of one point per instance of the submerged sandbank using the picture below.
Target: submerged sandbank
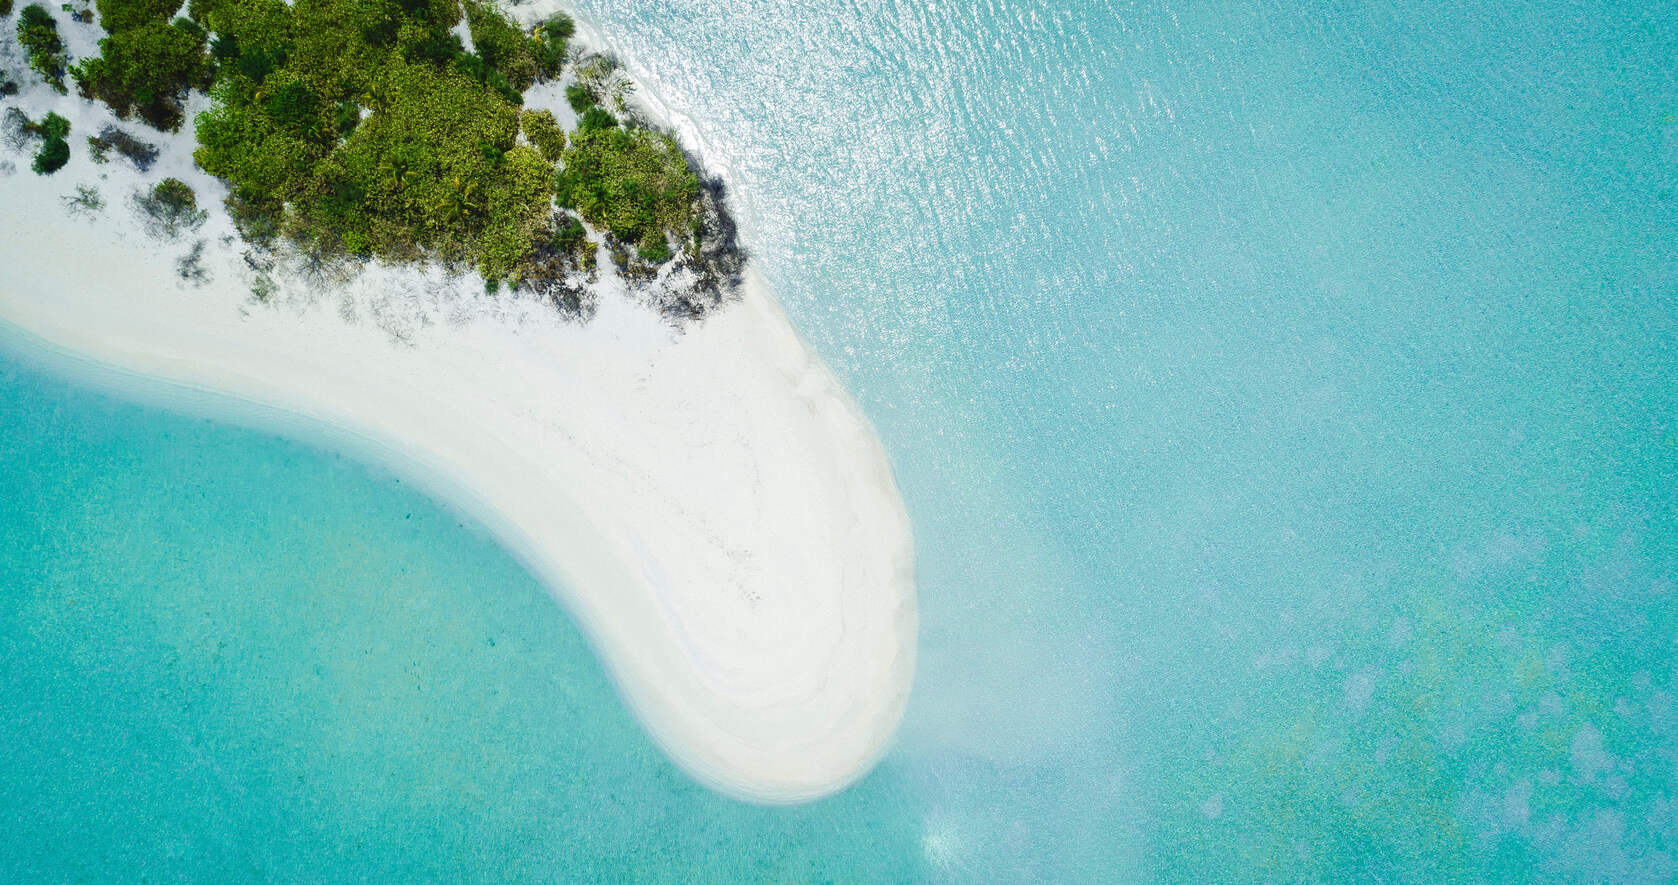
(708, 501)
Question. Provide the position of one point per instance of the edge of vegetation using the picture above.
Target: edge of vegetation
(357, 129)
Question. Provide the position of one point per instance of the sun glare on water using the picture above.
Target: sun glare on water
(942, 845)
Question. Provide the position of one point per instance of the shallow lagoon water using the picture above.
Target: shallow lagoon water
(1282, 395)
(232, 657)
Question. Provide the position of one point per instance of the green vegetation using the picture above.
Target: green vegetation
(38, 34)
(347, 118)
(600, 81)
(5, 7)
(634, 183)
(169, 208)
(595, 119)
(580, 98)
(147, 63)
(502, 46)
(51, 126)
(543, 131)
(85, 201)
(432, 168)
(553, 35)
(126, 15)
(570, 236)
(53, 131)
(110, 138)
(366, 128)
(52, 156)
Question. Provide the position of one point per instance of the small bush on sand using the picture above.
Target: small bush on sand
(51, 133)
(51, 126)
(38, 34)
(169, 208)
(554, 34)
(54, 131)
(52, 156)
(85, 202)
(110, 138)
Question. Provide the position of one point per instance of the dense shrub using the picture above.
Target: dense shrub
(502, 46)
(258, 223)
(121, 15)
(364, 127)
(580, 98)
(52, 156)
(110, 138)
(544, 132)
(654, 246)
(38, 34)
(569, 236)
(596, 119)
(147, 69)
(433, 166)
(293, 106)
(51, 126)
(436, 169)
(473, 65)
(549, 269)
(347, 118)
(635, 183)
(554, 34)
(5, 7)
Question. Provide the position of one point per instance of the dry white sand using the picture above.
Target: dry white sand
(710, 504)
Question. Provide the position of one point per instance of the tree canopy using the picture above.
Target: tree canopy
(365, 127)
(147, 64)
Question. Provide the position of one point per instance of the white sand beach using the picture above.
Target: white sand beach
(709, 503)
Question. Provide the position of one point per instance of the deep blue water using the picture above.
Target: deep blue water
(1282, 393)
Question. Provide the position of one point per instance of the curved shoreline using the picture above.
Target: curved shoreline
(710, 505)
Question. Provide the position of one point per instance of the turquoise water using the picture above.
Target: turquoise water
(231, 657)
(1282, 394)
